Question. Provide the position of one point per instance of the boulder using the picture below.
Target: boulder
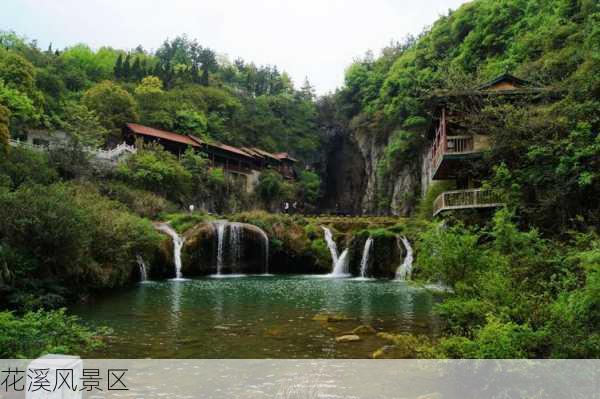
(199, 252)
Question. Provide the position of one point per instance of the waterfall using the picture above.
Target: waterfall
(331, 244)
(235, 244)
(220, 245)
(142, 267)
(364, 262)
(340, 269)
(233, 250)
(265, 238)
(339, 263)
(177, 245)
(405, 270)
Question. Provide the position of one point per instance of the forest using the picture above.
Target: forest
(525, 282)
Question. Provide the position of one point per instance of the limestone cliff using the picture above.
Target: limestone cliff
(353, 184)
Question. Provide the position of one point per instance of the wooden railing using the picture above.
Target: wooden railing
(444, 144)
(459, 144)
(465, 199)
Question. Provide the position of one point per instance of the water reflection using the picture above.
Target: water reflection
(255, 316)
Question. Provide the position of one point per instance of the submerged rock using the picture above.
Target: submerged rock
(364, 329)
(347, 338)
(224, 328)
(383, 352)
(330, 318)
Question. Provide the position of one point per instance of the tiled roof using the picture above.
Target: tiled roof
(252, 152)
(265, 153)
(235, 150)
(285, 155)
(149, 131)
(197, 142)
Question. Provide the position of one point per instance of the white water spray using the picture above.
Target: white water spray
(331, 244)
(142, 267)
(177, 245)
(364, 262)
(340, 269)
(236, 240)
(220, 245)
(339, 263)
(405, 270)
(265, 238)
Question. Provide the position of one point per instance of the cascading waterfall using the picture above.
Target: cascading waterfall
(265, 238)
(339, 263)
(364, 262)
(142, 267)
(331, 244)
(177, 245)
(220, 245)
(405, 270)
(340, 269)
(235, 244)
(233, 249)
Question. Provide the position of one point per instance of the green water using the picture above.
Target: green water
(254, 317)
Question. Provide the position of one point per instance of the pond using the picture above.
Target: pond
(255, 317)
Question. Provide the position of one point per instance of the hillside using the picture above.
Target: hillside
(381, 118)
(181, 87)
(518, 279)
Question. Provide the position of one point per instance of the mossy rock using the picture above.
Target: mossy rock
(199, 252)
(386, 255)
(161, 265)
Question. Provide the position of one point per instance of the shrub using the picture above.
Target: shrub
(41, 332)
(21, 165)
(451, 254)
(270, 186)
(152, 168)
(68, 235)
(309, 186)
(184, 221)
(141, 202)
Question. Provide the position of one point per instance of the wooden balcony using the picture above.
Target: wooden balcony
(466, 199)
(448, 152)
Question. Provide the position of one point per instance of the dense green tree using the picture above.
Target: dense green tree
(83, 126)
(16, 71)
(118, 69)
(4, 133)
(23, 111)
(113, 105)
(191, 122)
(126, 70)
(21, 166)
(270, 187)
(157, 170)
(309, 186)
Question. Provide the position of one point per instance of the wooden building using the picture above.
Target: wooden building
(458, 141)
(241, 162)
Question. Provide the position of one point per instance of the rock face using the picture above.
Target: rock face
(244, 253)
(353, 184)
(346, 176)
